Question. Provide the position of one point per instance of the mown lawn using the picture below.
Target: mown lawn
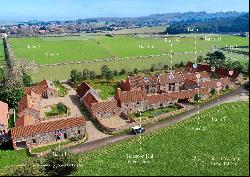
(155, 112)
(215, 142)
(105, 89)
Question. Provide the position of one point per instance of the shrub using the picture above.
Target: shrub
(28, 168)
(122, 72)
(196, 97)
(60, 162)
(115, 73)
(62, 109)
(213, 91)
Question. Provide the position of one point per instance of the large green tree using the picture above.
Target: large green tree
(200, 59)
(75, 76)
(11, 96)
(85, 74)
(216, 59)
(27, 81)
(104, 70)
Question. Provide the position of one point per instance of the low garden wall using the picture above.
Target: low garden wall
(73, 143)
(133, 123)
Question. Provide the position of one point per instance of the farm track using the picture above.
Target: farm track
(86, 147)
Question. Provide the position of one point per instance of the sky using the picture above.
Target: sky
(21, 10)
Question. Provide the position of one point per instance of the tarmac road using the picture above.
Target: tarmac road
(234, 96)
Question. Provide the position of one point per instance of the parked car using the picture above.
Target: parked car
(138, 129)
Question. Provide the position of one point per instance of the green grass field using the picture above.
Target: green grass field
(2, 56)
(62, 72)
(89, 48)
(10, 158)
(221, 149)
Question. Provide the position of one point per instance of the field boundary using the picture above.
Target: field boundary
(123, 58)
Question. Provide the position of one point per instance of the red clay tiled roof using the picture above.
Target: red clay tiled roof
(25, 120)
(156, 98)
(213, 83)
(4, 113)
(38, 89)
(29, 101)
(135, 81)
(89, 99)
(200, 67)
(190, 82)
(131, 96)
(193, 76)
(82, 89)
(166, 78)
(45, 127)
(104, 106)
(221, 72)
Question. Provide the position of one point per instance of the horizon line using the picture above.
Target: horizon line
(83, 18)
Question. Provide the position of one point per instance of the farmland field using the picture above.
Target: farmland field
(62, 72)
(221, 148)
(88, 48)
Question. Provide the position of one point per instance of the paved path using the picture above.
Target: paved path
(93, 133)
(235, 95)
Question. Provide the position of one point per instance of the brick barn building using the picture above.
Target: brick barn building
(47, 132)
(46, 89)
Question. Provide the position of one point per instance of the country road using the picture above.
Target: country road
(234, 96)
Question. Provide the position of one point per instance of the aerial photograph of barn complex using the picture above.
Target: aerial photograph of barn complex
(124, 88)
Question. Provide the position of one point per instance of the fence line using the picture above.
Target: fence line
(119, 58)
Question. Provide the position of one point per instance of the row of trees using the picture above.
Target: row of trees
(106, 73)
(77, 76)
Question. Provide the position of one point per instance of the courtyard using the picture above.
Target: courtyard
(71, 101)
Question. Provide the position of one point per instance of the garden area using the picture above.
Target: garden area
(58, 109)
(154, 112)
(62, 91)
(104, 88)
